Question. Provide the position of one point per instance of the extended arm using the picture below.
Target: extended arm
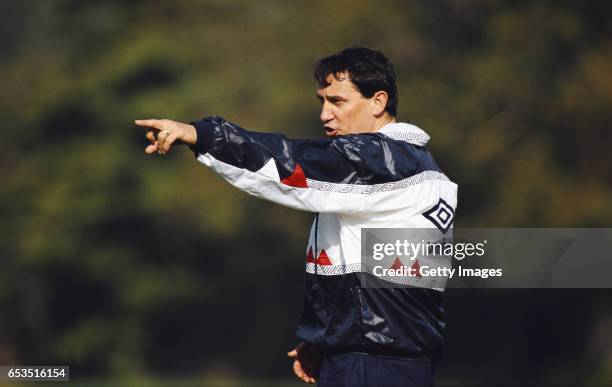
(337, 175)
(271, 166)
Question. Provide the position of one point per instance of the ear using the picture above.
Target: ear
(379, 101)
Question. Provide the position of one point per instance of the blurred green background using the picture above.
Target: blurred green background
(130, 267)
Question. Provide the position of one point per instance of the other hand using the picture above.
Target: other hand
(306, 362)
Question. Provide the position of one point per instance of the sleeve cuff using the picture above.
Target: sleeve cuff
(204, 130)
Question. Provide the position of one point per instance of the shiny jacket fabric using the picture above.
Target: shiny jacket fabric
(385, 179)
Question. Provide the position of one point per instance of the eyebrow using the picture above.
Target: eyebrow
(332, 98)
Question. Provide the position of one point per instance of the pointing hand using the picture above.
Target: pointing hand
(164, 133)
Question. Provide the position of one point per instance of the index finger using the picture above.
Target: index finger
(151, 123)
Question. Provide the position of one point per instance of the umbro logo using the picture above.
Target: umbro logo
(442, 215)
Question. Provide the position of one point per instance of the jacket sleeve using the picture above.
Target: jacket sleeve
(302, 174)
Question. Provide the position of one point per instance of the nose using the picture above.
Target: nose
(326, 114)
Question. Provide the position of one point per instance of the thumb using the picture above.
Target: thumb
(292, 353)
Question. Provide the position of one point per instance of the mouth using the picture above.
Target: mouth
(331, 131)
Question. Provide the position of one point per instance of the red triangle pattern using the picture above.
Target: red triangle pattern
(297, 178)
(397, 264)
(309, 256)
(415, 269)
(323, 259)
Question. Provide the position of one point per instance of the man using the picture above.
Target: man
(370, 172)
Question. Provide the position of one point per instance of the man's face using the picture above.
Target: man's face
(344, 110)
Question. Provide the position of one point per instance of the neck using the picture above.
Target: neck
(382, 121)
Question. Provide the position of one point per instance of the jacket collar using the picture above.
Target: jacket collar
(405, 132)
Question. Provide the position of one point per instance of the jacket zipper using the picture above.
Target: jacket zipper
(316, 248)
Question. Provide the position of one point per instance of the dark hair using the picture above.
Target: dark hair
(369, 70)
